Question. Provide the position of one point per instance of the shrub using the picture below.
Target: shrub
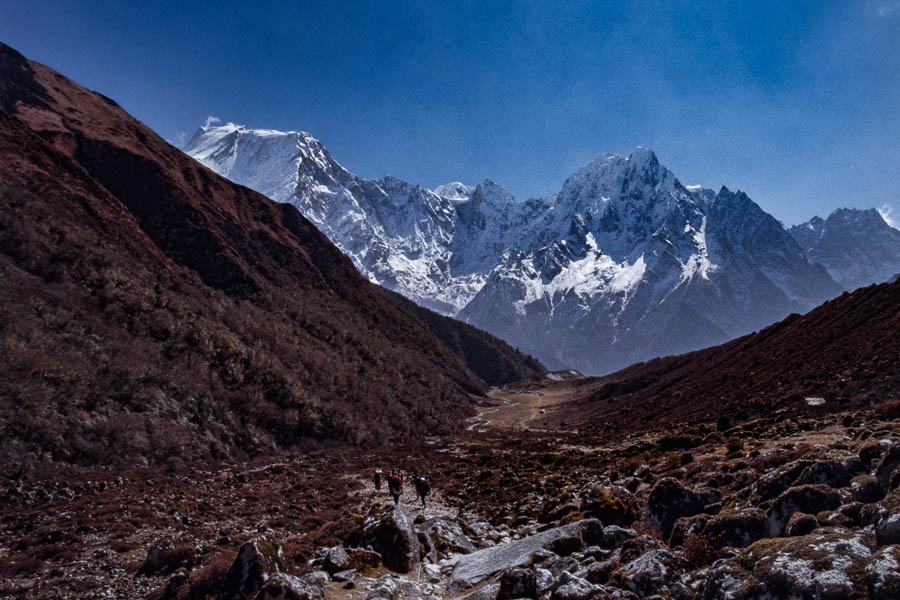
(734, 444)
(699, 550)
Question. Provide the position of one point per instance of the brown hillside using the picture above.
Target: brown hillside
(150, 309)
(845, 351)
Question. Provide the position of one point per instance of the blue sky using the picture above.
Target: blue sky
(796, 103)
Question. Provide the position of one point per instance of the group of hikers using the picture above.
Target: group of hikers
(395, 484)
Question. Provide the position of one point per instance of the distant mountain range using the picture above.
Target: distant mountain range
(856, 246)
(625, 263)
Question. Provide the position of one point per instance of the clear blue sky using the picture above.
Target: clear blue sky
(797, 103)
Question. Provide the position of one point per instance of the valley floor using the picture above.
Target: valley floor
(69, 532)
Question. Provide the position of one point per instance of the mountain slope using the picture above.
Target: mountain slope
(856, 246)
(623, 264)
(489, 357)
(844, 351)
(151, 309)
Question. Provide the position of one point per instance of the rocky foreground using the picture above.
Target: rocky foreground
(779, 507)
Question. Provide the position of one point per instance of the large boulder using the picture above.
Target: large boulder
(447, 536)
(670, 500)
(826, 565)
(829, 564)
(474, 568)
(257, 561)
(883, 574)
(810, 499)
(395, 539)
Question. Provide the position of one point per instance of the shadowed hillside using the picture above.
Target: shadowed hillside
(489, 357)
(150, 309)
(844, 351)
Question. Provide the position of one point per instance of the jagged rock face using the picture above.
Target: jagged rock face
(623, 264)
(856, 246)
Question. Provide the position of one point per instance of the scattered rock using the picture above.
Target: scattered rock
(336, 560)
(883, 574)
(288, 587)
(517, 583)
(650, 573)
(801, 524)
(257, 561)
(670, 500)
(737, 530)
(571, 587)
(866, 489)
(810, 499)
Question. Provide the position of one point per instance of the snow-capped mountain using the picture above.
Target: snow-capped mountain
(623, 264)
(857, 247)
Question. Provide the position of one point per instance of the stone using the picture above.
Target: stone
(872, 450)
(396, 541)
(257, 562)
(613, 537)
(866, 489)
(687, 525)
(517, 583)
(827, 565)
(287, 587)
(887, 465)
(810, 499)
(472, 569)
(737, 530)
(883, 574)
(447, 536)
(836, 472)
(336, 559)
(384, 589)
(650, 573)
(670, 500)
(801, 524)
(571, 587)
(613, 505)
(775, 482)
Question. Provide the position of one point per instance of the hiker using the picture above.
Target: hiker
(422, 488)
(395, 485)
(377, 477)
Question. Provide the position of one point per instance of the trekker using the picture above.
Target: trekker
(395, 485)
(422, 488)
(377, 477)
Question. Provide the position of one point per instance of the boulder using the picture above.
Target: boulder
(805, 498)
(775, 482)
(883, 574)
(571, 587)
(836, 472)
(474, 568)
(737, 530)
(687, 525)
(884, 516)
(613, 537)
(866, 489)
(872, 450)
(288, 587)
(613, 506)
(826, 565)
(395, 539)
(447, 536)
(336, 559)
(650, 573)
(517, 583)
(801, 524)
(257, 561)
(670, 500)
(887, 465)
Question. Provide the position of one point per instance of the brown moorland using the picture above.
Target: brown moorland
(151, 310)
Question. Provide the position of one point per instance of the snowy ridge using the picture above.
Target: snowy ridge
(622, 264)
